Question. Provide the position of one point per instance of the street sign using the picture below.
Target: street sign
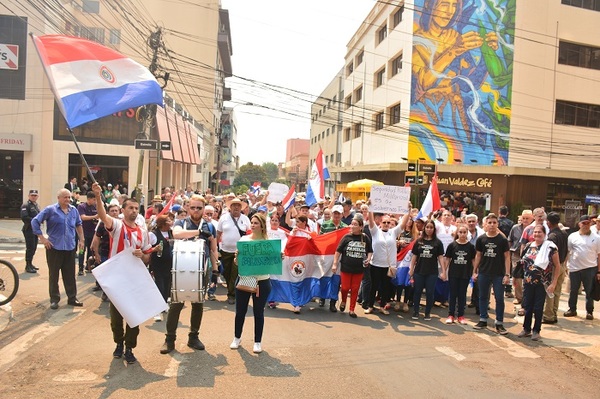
(165, 145)
(412, 167)
(145, 144)
(409, 179)
(427, 168)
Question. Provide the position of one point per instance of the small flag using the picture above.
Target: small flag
(90, 81)
(255, 188)
(341, 199)
(290, 198)
(432, 200)
(316, 182)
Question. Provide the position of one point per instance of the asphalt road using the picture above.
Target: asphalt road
(68, 354)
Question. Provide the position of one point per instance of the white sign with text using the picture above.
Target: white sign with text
(389, 199)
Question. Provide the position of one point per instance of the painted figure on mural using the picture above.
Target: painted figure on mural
(462, 73)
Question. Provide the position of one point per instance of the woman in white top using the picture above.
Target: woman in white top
(258, 226)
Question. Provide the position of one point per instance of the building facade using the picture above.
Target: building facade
(189, 51)
(296, 162)
(500, 97)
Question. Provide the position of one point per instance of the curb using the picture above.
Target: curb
(579, 357)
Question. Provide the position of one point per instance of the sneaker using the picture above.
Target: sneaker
(369, 311)
(195, 343)
(212, 297)
(415, 316)
(536, 336)
(549, 321)
(524, 334)
(118, 351)
(168, 347)
(321, 302)
(235, 343)
(427, 317)
(501, 330)
(129, 357)
(481, 325)
(272, 305)
(589, 316)
(450, 320)
(80, 273)
(158, 317)
(521, 312)
(231, 301)
(570, 313)
(297, 309)
(462, 320)
(257, 348)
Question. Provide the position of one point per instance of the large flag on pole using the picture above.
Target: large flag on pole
(432, 200)
(91, 81)
(315, 191)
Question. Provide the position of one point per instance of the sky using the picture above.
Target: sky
(284, 52)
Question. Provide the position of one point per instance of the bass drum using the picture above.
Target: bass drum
(189, 271)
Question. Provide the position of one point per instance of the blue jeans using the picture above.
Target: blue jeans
(426, 281)
(458, 291)
(534, 297)
(485, 281)
(585, 276)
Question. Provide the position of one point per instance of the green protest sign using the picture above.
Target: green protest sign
(259, 257)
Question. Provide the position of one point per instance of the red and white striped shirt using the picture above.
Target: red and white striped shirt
(123, 236)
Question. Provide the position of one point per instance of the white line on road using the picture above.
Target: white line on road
(10, 353)
(446, 350)
(513, 349)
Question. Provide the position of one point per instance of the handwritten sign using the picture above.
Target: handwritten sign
(277, 192)
(389, 199)
(259, 257)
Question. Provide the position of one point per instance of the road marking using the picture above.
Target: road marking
(175, 368)
(10, 353)
(509, 346)
(446, 350)
(76, 376)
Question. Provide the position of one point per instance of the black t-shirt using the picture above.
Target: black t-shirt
(492, 254)
(354, 249)
(427, 252)
(461, 259)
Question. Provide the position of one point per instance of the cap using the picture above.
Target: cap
(35, 192)
(337, 208)
(584, 218)
(109, 185)
(157, 198)
(348, 202)
(262, 208)
(175, 208)
(304, 206)
(553, 217)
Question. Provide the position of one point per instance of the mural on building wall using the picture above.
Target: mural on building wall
(462, 80)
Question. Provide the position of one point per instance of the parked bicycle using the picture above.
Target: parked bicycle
(9, 282)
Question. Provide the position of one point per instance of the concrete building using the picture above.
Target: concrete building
(296, 162)
(500, 97)
(228, 161)
(193, 47)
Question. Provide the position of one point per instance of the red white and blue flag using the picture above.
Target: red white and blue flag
(432, 200)
(315, 191)
(255, 188)
(306, 271)
(91, 81)
(290, 198)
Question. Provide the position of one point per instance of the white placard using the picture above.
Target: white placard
(277, 192)
(389, 199)
(127, 283)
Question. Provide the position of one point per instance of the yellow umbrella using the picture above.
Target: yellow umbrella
(364, 184)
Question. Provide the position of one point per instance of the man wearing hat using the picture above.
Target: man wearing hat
(348, 214)
(232, 226)
(583, 265)
(335, 223)
(28, 211)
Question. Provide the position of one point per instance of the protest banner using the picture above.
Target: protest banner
(389, 199)
(259, 257)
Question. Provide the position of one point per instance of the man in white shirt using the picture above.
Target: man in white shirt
(584, 266)
(232, 226)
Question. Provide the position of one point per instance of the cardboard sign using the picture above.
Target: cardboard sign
(259, 257)
(277, 192)
(389, 199)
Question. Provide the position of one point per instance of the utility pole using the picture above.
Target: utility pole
(147, 114)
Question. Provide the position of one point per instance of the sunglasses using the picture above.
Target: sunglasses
(386, 222)
(196, 208)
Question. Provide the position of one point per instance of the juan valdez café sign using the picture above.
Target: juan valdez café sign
(483, 182)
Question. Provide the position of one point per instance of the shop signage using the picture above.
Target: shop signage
(9, 56)
(483, 182)
(15, 142)
(592, 199)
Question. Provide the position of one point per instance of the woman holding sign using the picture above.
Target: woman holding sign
(258, 226)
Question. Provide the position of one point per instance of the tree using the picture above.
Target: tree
(248, 174)
(272, 172)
